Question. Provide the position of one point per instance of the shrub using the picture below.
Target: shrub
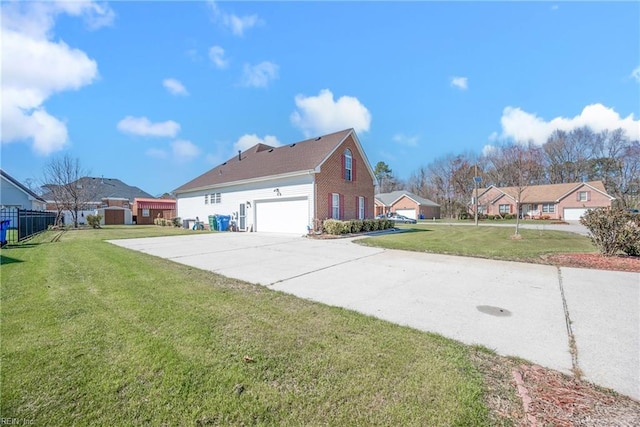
(332, 226)
(630, 237)
(94, 220)
(356, 225)
(613, 230)
(545, 217)
(510, 216)
(176, 222)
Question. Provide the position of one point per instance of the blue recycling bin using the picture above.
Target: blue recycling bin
(4, 226)
(223, 222)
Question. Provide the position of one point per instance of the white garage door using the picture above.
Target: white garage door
(283, 216)
(409, 213)
(573, 214)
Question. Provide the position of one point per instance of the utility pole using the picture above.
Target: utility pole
(476, 180)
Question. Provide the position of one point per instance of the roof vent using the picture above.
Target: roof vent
(293, 145)
(239, 155)
(318, 138)
(224, 163)
(271, 150)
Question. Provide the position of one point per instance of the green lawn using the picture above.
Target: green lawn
(94, 334)
(484, 242)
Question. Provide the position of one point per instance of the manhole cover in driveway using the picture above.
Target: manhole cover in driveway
(494, 311)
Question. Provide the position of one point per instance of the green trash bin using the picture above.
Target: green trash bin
(213, 223)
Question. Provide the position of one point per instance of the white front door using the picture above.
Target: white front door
(242, 217)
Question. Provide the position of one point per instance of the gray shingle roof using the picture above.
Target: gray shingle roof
(388, 199)
(261, 161)
(101, 188)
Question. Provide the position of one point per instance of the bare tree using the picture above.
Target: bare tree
(64, 182)
(519, 166)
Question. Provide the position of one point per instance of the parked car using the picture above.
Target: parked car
(402, 219)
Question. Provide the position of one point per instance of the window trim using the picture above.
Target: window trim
(548, 208)
(335, 205)
(361, 208)
(508, 209)
(586, 196)
(348, 165)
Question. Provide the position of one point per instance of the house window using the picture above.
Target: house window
(505, 209)
(206, 199)
(145, 212)
(548, 208)
(583, 196)
(215, 198)
(348, 165)
(361, 213)
(482, 209)
(335, 206)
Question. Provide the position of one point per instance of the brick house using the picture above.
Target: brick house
(556, 201)
(407, 204)
(285, 189)
(109, 197)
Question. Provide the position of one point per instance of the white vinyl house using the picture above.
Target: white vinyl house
(15, 195)
(285, 189)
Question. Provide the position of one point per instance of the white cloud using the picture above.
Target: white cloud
(522, 126)
(259, 75)
(237, 24)
(184, 150)
(175, 87)
(40, 67)
(142, 126)
(555, 7)
(216, 54)
(459, 82)
(635, 74)
(249, 140)
(321, 114)
(407, 141)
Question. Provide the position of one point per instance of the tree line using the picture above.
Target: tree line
(567, 156)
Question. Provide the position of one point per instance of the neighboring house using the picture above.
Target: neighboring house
(146, 210)
(407, 204)
(286, 189)
(108, 197)
(555, 201)
(13, 194)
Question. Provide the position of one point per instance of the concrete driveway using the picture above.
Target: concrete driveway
(536, 312)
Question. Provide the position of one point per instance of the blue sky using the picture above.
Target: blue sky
(156, 93)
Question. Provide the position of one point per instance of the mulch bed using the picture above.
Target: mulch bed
(596, 261)
(525, 395)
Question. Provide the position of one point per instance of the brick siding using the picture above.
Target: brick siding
(330, 180)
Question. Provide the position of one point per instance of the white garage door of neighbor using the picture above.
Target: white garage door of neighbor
(283, 216)
(573, 214)
(409, 213)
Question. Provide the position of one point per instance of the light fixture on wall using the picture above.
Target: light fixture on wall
(277, 191)
(248, 204)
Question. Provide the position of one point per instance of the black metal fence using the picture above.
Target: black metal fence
(25, 223)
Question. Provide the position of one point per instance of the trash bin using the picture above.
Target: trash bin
(223, 222)
(213, 224)
(4, 225)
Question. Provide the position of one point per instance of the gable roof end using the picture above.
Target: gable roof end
(21, 186)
